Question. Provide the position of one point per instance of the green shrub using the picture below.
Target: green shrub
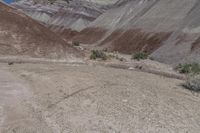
(193, 83)
(193, 68)
(140, 56)
(97, 54)
(75, 43)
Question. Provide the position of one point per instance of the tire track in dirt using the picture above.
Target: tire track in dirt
(1, 118)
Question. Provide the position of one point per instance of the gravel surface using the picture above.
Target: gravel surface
(46, 98)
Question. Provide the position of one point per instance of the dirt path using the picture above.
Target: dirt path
(88, 99)
(16, 113)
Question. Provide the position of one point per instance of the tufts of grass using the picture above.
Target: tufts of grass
(115, 56)
(75, 43)
(193, 68)
(140, 56)
(10, 63)
(98, 54)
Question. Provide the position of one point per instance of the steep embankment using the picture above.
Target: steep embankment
(22, 36)
(64, 17)
(61, 15)
(167, 29)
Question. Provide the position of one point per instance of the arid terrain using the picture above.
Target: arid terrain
(99, 66)
(70, 98)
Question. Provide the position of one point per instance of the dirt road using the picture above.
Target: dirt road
(16, 111)
(39, 98)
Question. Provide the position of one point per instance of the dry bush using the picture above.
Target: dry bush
(75, 43)
(140, 56)
(193, 83)
(193, 68)
(98, 54)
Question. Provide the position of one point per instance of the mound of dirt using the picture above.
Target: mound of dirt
(22, 36)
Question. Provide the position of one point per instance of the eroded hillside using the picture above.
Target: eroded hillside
(166, 29)
(62, 15)
(22, 36)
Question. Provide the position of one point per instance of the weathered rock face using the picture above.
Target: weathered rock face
(22, 36)
(166, 29)
(103, 2)
(61, 14)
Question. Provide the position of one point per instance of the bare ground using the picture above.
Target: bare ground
(45, 98)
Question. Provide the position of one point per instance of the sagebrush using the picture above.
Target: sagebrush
(193, 83)
(98, 54)
(75, 43)
(140, 56)
(193, 68)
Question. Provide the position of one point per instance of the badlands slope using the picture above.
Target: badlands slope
(103, 2)
(90, 98)
(166, 29)
(22, 36)
(61, 15)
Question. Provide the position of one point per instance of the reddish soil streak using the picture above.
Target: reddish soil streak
(90, 35)
(32, 38)
(69, 34)
(66, 34)
(113, 36)
(136, 40)
(181, 38)
(196, 44)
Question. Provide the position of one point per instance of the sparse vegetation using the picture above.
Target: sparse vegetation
(115, 56)
(121, 59)
(75, 43)
(140, 56)
(193, 68)
(10, 63)
(105, 50)
(193, 71)
(151, 58)
(193, 83)
(97, 54)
